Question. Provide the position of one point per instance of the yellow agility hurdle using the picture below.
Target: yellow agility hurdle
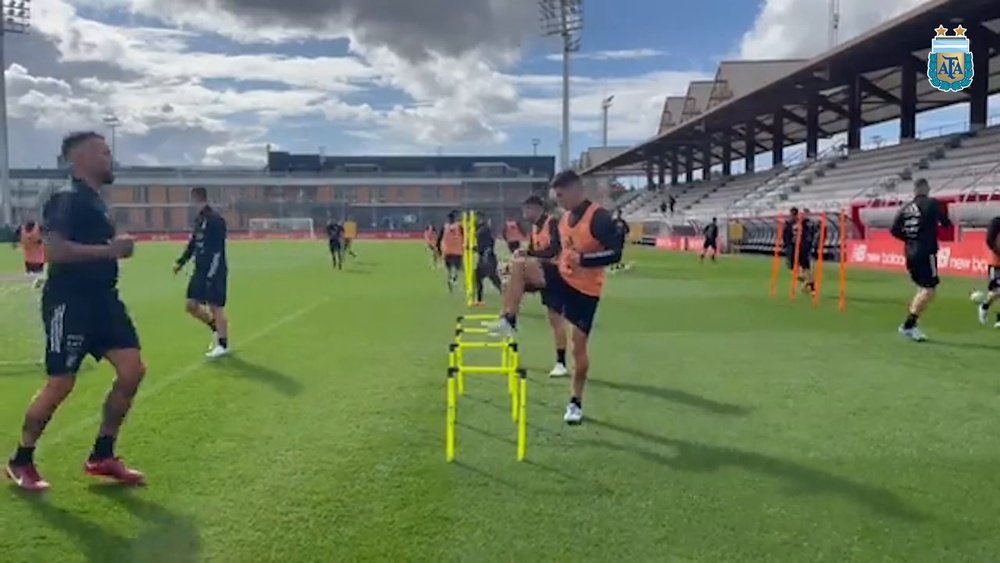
(517, 380)
(469, 227)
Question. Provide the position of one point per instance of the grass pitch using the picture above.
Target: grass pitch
(723, 426)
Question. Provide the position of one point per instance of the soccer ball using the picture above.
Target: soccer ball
(978, 296)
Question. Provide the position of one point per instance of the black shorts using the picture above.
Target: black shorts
(453, 261)
(710, 243)
(923, 270)
(805, 261)
(513, 246)
(208, 291)
(80, 325)
(994, 278)
(33, 268)
(335, 247)
(487, 265)
(576, 307)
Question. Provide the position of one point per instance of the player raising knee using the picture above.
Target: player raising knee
(916, 224)
(206, 292)
(544, 246)
(450, 245)
(711, 240)
(573, 284)
(986, 300)
(794, 240)
(350, 233)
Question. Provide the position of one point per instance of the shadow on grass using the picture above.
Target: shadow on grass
(702, 458)
(975, 346)
(164, 536)
(673, 395)
(280, 382)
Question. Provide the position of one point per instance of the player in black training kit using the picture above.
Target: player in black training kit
(916, 224)
(790, 238)
(486, 259)
(207, 288)
(83, 313)
(993, 274)
(711, 240)
(335, 234)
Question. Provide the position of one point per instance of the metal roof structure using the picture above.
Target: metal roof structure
(871, 65)
(673, 108)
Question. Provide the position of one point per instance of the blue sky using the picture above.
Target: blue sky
(209, 83)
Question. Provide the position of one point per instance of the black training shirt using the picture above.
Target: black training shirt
(602, 228)
(992, 232)
(916, 224)
(553, 250)
(711, 231)
(334, 231)
(78, 214)
(485, 242)
(207, 244)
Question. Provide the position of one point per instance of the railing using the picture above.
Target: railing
(971, 191)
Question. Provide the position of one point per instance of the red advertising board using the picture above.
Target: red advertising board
(965, 256)
(183, 237)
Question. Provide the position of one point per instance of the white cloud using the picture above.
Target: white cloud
(800, 28)
(614, 55)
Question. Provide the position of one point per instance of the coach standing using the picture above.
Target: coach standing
(83, 313)
(916, 224)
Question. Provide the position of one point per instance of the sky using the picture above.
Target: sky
(210, 82)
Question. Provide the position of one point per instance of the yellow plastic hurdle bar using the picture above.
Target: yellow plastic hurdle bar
(469, 256)
(517, 381)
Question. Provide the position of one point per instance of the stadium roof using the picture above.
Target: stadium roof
(873, 59)
(673, 108)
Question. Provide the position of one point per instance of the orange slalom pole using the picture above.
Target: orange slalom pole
(793, 290)
(776, 267)
(821, 248)
(842, 298)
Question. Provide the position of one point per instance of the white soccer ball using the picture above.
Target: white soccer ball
(978, 296)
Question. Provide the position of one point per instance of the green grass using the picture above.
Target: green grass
(723, 426)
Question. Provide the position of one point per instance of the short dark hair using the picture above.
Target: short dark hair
(921, 186)
(534, 200)
(793, 211)
(199, 193)
(565, 178)
(76, 139)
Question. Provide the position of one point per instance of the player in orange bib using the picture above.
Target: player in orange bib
(573, 282)
(513, 235)
(451, 245)
(431, 238)
(543, 245)
(33, 248)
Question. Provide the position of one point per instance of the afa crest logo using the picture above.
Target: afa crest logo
(949, 64)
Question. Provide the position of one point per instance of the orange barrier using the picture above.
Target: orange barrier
(796, 267)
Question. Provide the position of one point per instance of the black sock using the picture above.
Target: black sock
(211, 325)
(23, 456)
(561, 356)
(911, 321)
(511, 320)
(577, 402)
(224, 342)
(104, 448)
(985, 306)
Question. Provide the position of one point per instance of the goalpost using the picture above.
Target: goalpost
(289, 227)
(22, 336)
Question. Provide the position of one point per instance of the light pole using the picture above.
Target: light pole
(605, 106)
(534, 146)
(563, 18)
(112, 121)
(16, 19)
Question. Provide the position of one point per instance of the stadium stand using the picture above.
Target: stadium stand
(760, 107)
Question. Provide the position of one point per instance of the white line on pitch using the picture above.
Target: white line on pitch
(161, 383)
